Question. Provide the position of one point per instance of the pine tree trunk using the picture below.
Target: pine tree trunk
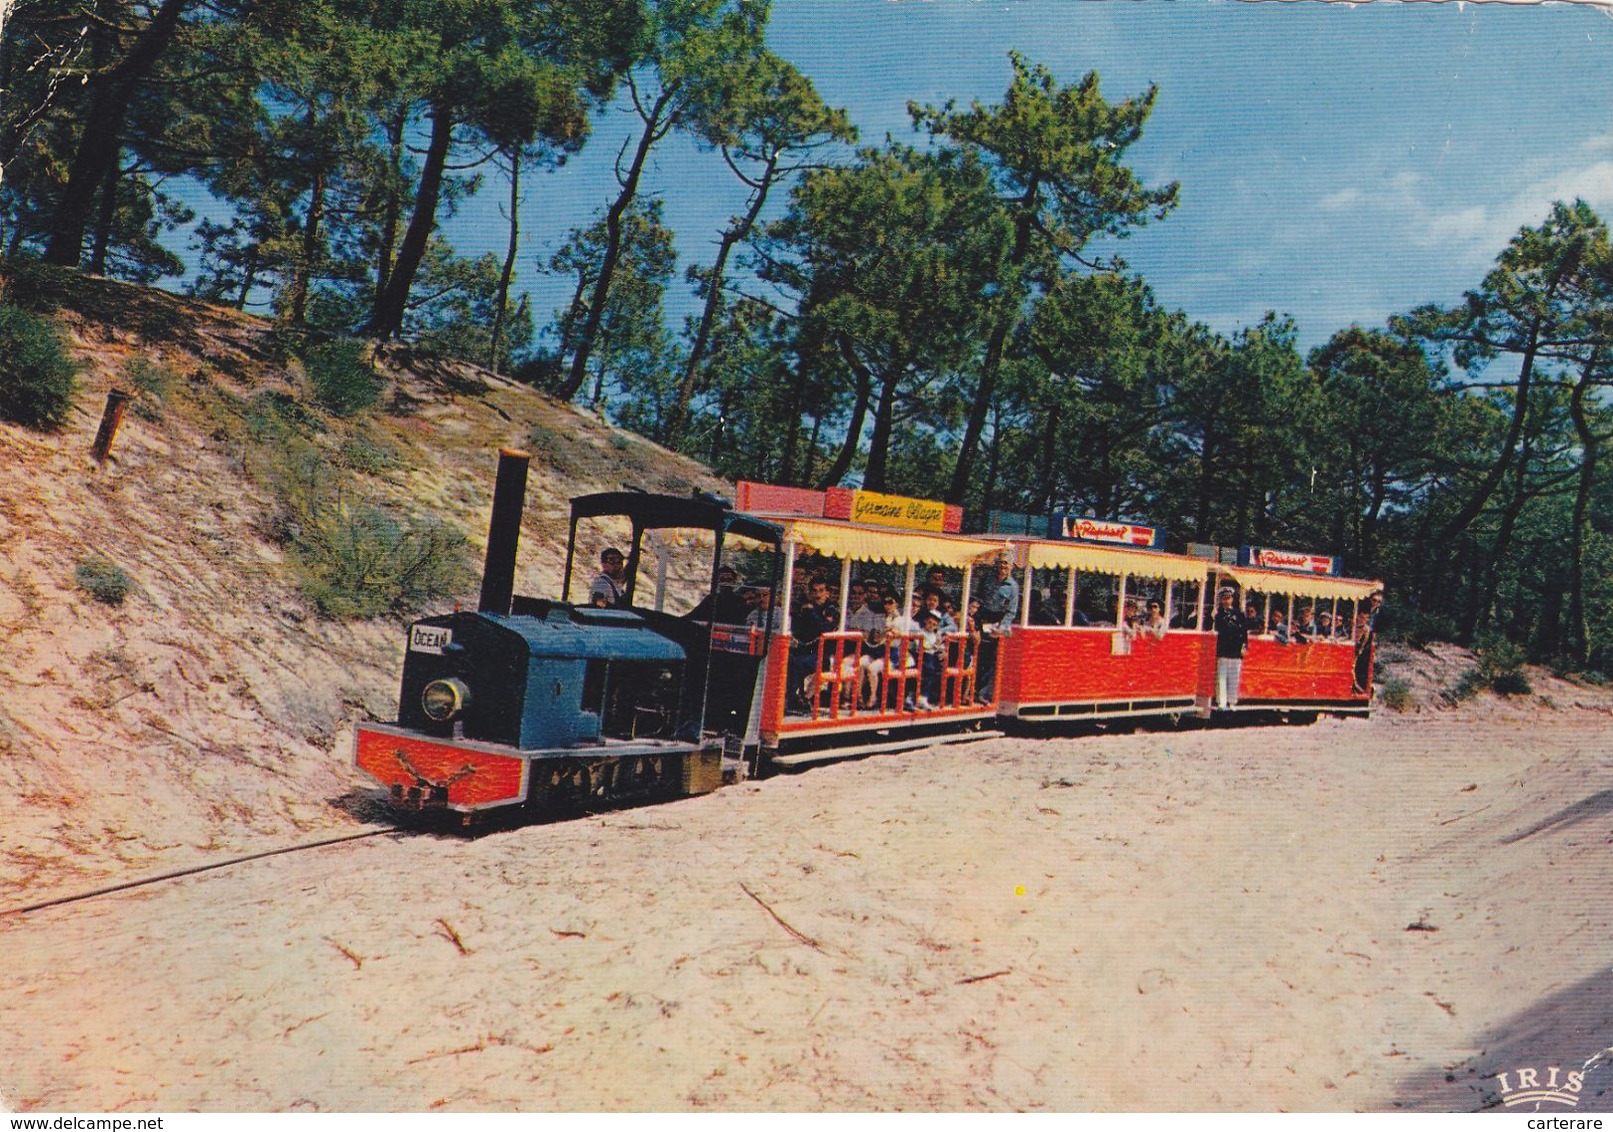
(991, 365)
(102, 139)
(577, 374)
(1589, 442)
(678, 418)
(101, 237)
(879, 442)
(392, 215)
(502, 302)
(859, 413)
(386, 320)
(308, 252)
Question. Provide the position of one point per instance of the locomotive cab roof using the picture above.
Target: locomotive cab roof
(658, 512)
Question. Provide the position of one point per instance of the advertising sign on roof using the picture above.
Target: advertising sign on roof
(774, 499)
(880, 510)
(1299, 561)
(1088, 529)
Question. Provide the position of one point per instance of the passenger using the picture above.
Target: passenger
(807, 627)
(1251, 616)
(726, 605)
(933, 660)
(999, 598)
(1231, 642)
(868, 618)
(1305, 628)
(762, 614)
(1133, 619)
(1153, 623)
(1365, 637)
(936, 580)
(1279, 627)
(1324, 626)
(901, 650)
(1186, 617)
(856, 594)
(972, 628)
(1047, 608)
(933, 603)
(609, 590)
(1374, 611)
(998, 601)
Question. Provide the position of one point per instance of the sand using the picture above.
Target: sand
(1354, 915)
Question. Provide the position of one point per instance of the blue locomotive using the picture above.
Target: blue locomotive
(534, 702)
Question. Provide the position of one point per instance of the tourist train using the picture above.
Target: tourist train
(695, 658)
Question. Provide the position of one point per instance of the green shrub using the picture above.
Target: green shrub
(1397, 695)
(343, 376)
(1514, 682)
(363, 453)
(277, 417)
(100, 577)
(150, 381)
(1500, 669)
(354, 558)
(1501, 666)
(37, 378)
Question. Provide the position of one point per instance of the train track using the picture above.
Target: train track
(211, 866)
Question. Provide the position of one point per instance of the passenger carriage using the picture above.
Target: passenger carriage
(858, 696)
(1082, 658)
(1331, 673)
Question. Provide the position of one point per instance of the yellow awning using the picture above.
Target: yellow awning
(1301, 585)
(1113, 560)
(882, 544)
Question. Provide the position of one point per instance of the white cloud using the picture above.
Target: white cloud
(1468, 231)
(1344, 198)
(1465, 225)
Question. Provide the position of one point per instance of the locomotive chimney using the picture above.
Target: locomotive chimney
(504, 531)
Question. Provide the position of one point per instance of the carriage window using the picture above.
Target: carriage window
(1048, 591)
(1185, 605)
(1096, 596)
(1257, 606)
(1141, 595)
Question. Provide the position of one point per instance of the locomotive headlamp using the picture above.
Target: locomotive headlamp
(443, 700)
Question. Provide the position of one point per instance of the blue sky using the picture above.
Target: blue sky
(1340, 164)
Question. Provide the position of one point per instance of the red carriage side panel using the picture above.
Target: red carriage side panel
(1303, 674)
(1040, 666)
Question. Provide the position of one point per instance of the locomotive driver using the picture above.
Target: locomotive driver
(610, 586)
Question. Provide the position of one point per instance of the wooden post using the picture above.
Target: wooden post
(116, 401)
